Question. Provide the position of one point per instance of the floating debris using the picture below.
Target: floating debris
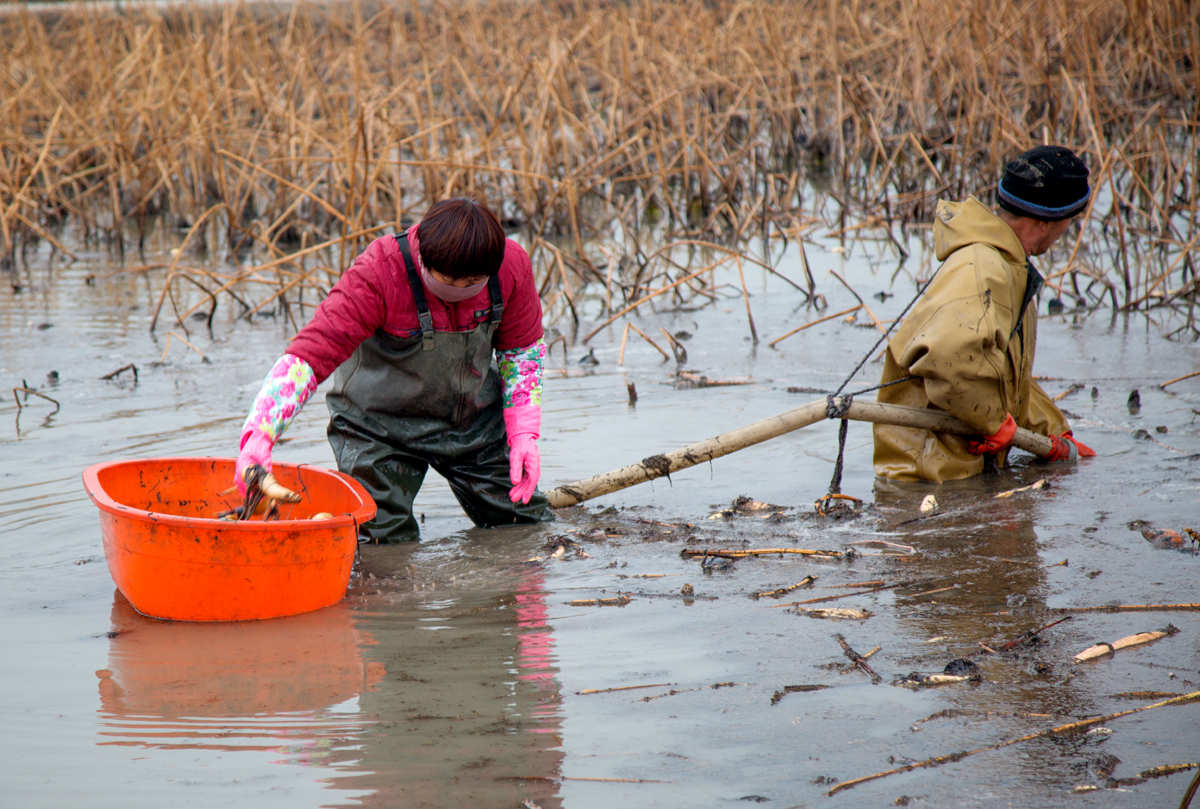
(130, 367)
(928, 505)
(1041, 484)
(1103, 649)
(749, 507)
(845, 595)
(622, 688)
(689, 380)
(794, 689)
(885, 545)
(618, 601)
(685, 596)
(833, 613)
(1073, 389)
(558, 546)
(1055, 731)
(715, 564)
(1163, 538)
(837, 505)
(953, 713)
(782, 591)
(1133, 608)
(857, 659)
(956, 671)
(742, 554)
(673, 692)
(1025, 639)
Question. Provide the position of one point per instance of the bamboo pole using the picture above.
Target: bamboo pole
(656, 466)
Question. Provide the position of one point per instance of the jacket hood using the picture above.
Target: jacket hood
(959, 224)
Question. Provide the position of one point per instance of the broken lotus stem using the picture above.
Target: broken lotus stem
(263, 494)
(1102, 649)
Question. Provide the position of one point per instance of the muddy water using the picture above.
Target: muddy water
(451, 675)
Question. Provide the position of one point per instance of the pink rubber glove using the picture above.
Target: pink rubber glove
(256, 449)
(523, 424)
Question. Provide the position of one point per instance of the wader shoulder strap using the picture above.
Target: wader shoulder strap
(1033, 288)
(497, 298)
(418, 290)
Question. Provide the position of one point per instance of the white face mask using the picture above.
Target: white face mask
(448, 292)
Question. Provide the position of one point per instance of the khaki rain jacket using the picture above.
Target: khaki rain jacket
(963, 342)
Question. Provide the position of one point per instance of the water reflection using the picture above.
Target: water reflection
(290, 685)
(982, 583)
(472, 692)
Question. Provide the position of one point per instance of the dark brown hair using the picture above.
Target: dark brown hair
(461, 238)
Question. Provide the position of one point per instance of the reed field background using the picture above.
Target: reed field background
(282, 137)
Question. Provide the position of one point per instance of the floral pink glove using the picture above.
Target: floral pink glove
(284, 391)
(523, 424)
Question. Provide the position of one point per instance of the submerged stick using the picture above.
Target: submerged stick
(742, 554)
(1025, 637)
(28, 391)
(1132, 608)
(857, 659)
(782, 591)
(657, 466)
(622, 688)
(656, 346)
(843, 595)
(1057, 731)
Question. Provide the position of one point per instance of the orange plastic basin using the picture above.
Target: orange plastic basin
(172, 558)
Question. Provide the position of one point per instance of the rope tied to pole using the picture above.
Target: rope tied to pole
(837, 406)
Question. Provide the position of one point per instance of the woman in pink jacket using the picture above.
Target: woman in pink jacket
(409, 334)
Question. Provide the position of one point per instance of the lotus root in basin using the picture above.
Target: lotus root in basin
(172, 558)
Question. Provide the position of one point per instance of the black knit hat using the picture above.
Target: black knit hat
(1047, 183)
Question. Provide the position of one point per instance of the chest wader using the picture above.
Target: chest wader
(402, 404)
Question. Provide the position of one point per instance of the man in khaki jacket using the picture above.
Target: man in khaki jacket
(970, 340)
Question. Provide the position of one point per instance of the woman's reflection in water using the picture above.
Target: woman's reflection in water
(469, 710)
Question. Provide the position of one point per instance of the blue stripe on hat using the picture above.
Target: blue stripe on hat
(1041, 210)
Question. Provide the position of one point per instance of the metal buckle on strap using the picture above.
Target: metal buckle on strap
(497, 313)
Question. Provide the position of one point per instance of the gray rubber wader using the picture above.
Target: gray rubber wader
(400, 405)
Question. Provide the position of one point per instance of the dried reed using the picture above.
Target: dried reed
(283, 136)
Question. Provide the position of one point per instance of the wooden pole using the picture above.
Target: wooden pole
(657, 466)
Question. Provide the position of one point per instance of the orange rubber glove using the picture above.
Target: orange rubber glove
(1066, 447)
(996, 441)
